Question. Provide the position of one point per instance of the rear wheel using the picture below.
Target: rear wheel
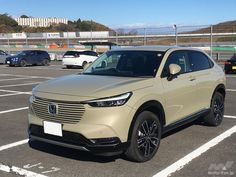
(216, 115)
(68, 66)
(145, 138)
(45, 62)
(23, 63)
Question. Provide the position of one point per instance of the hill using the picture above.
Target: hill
(9, 25)
(224, 27)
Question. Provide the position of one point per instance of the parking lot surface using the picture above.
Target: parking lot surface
(192, 150)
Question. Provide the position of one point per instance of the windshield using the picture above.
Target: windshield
(126, 63)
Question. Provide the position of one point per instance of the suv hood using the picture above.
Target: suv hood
(85, 87)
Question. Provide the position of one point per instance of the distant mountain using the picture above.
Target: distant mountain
(224, 27)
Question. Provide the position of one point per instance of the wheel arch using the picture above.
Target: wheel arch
(152, 106)
(221, 89)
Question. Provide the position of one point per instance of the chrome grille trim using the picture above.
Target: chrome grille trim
(68, 112)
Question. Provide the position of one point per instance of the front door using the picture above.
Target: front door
(179, 92)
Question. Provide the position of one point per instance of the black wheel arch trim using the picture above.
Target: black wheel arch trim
(221, 89)
(148, 106)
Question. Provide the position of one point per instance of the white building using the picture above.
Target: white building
(40, 22)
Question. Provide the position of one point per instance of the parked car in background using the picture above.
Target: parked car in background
(230, 65)
(127, 99)
(3, 56)
(29, 57)
(78, 58)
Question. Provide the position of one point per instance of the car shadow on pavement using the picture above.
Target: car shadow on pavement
(71, 153)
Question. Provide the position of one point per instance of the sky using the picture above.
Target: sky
(128, 13)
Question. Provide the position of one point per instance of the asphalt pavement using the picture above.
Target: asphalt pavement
(192, 150)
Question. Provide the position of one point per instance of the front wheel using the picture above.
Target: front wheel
(145, 138)
(216, 114)
(23, 63)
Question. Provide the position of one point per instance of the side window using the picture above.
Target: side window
(198, 61)
(177, 57)
(31, 53)
(90, 53)
(39, 53)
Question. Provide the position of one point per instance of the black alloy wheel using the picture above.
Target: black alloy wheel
(216, 115)
(145, 138)
(23, 63)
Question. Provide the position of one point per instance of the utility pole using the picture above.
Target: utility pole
(176, 34)
(211, 39)
(145, 37)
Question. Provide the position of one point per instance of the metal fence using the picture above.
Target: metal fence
(208, 36)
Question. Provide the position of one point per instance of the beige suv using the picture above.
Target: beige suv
(127, 99)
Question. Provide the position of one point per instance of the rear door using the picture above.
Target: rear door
(31, 57)
(205, 77)
(180, 93)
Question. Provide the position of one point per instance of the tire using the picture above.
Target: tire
(68, 67)
(45, 62)
(145, 137)
(23, 63)
(84, 63)
(216, 115)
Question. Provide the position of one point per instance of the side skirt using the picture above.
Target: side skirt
(185, 120)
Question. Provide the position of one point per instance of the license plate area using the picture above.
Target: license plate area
(234, 67)
(52, 128)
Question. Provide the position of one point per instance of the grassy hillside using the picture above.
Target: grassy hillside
(9, 25)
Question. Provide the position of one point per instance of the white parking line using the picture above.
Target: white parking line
(16, 85)
(231, 117)
(16, 75)
(194, 154)
(13, 110)
(13, 79)
(11, 94)
(231, 90)
(19, 171)
(230, 76)
(13, 91)
(18, 143)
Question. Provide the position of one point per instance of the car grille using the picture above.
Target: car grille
(70, 113)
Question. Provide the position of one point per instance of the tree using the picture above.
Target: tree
(24, 16)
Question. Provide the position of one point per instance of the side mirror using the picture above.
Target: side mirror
(174, 71)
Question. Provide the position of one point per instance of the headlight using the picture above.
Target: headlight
(118, 100)
(31, 100)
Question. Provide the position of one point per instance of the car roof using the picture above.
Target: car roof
(33, 51)
(158, 48)
(146, 48)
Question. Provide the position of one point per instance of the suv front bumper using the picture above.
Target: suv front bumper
(104, 146)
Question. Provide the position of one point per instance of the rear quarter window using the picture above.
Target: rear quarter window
(199, 61)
